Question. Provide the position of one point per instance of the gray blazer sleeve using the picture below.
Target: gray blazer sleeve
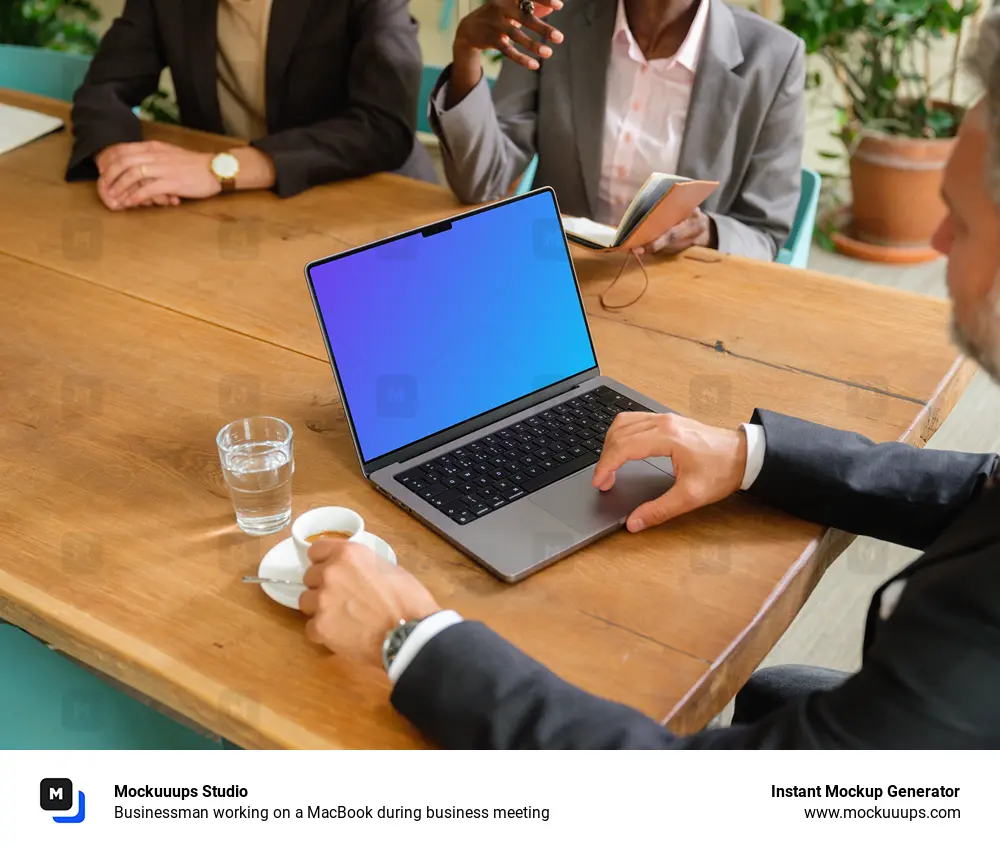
(486, 143)
(757, 224)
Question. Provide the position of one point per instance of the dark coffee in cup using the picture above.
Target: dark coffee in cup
(328, 535)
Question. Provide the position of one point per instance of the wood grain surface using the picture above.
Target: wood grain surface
(128, 339)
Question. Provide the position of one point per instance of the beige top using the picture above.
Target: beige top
(241, 64)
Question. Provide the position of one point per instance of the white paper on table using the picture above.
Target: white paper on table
(20, 126)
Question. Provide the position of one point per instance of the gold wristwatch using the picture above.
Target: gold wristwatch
(226, 167)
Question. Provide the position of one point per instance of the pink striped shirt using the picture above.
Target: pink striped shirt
(645, 113)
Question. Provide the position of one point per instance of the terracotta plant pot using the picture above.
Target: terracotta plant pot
(896, 184)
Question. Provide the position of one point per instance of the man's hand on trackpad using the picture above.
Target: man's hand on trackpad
(708, 462)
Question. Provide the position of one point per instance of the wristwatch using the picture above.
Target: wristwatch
(225, 167)
(396, 638)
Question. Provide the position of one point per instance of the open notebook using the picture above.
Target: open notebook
(20, 126)
(663, 201)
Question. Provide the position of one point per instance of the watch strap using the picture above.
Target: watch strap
(228, 184)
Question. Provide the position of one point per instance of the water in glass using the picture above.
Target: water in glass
(257, 463)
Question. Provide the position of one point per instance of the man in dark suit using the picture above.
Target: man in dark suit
(930, 675)
(322, 90)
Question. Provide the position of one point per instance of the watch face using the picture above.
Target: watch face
(225, 166)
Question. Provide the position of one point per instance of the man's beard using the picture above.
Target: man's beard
(981, 342)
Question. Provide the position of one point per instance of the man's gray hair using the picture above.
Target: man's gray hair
(983, 62)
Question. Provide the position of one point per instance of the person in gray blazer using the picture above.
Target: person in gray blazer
(608, 91)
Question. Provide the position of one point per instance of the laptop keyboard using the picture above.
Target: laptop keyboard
(484, 476)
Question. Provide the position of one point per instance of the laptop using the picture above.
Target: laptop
(471, 386)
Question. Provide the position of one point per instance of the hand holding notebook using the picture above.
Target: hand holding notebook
(663, 202)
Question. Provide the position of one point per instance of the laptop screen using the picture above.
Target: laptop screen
(440, 326)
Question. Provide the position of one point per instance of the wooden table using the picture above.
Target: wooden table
(128, 339)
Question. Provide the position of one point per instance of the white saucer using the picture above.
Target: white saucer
(282, 562)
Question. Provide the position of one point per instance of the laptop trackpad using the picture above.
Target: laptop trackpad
(585, 508)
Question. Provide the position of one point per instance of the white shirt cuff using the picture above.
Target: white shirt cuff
(422, 634)
(756, 447)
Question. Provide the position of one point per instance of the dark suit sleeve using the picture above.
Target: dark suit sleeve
(468, 688)
(377, 129)
(760, 219)
(124, 72)
(930, 680)
(890, 491)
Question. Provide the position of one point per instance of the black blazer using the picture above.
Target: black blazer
(342, 81)
(931, 671)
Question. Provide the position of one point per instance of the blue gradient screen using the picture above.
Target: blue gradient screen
(436, 328)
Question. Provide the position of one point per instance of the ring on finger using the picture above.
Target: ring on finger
(527, 7)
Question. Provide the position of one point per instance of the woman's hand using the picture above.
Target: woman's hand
(500, 25)
(697, 229)
(139, 173)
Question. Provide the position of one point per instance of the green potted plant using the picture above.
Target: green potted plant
(897, 122)
(63, 25)
(45, 48)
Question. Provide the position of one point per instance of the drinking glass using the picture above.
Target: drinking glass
(257, 463)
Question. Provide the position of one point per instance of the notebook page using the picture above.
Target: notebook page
(589, 231)
(20, 126)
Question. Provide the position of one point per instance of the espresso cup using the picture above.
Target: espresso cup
(342, 522)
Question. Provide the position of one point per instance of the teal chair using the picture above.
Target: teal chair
(40, 71)
(49, 703)
(795, 253)
(427, 80)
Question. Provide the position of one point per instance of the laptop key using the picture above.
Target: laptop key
(590, 445)
(432, 490)
(562, 457)
(576, 451)
(496, 502)
(542, 453)
(445, 498)
(462, 517)
(466, 487)
(516, 493)
(431, 477)
(417, 485)
(585, 434)
(466, 474)
(532, 471)
(477, 507)
(498, 473)
(548, 463)
(503, 486)
(483, 481)
(560, 472)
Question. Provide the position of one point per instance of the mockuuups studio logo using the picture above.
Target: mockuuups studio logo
(56, 795)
